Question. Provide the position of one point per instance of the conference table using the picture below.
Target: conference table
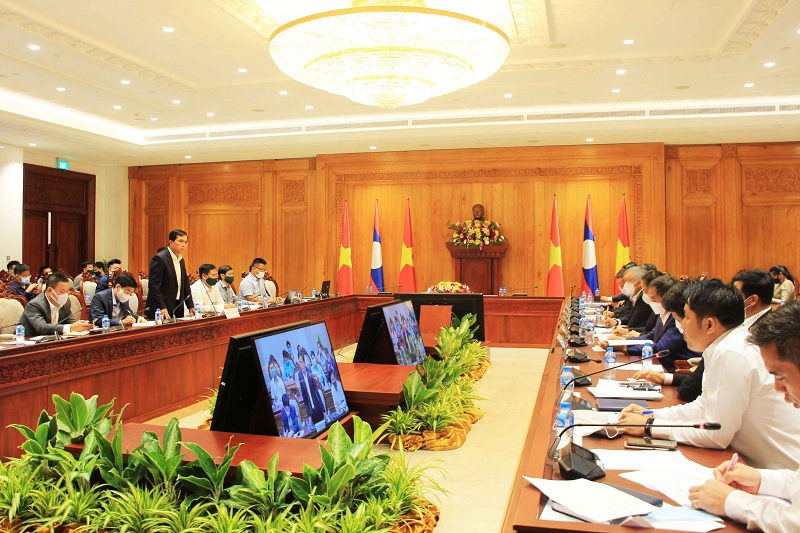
(527, 502)
(156, 370)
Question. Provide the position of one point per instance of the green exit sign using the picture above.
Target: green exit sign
(63, 164)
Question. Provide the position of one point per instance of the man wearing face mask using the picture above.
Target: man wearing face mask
(22, 283)
(225, 285)
(113, 302)
(756, 287)
(252, 287)
(640, 312)
(49, 312)
(205, 291)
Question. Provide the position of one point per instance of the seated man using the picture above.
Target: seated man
(87, 268)
(22, 283)
(49, 312)
(640, 312)
(205, 291)
(114, 303)
(737, 389)
(113, 266)
(252, 288)
(225, 284)
(766, 500)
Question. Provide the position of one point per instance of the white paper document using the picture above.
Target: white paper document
(594, 501)
(145, 324)
(666, 517)
(601, 418)
(638, 366)
(673, 483)
(643, 459)
(606, 388)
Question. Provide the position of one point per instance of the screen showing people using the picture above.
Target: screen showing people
(405, 334)
(302, 379)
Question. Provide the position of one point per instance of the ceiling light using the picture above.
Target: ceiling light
(34, 47)
(589, 139)
(241, 70)
(373, 147)
(168, 29)
(309, 107)
(125, 82)
(508, 95)
(117, 107)
(615, 90)
(628, 41)
(176, 101)
(61, 89)
(748, 85)
(153, 118)
(389, 53)
(209, 114)
(31, 144)
(621, 71)
(187, 157)
(283, 93)
(769, 64)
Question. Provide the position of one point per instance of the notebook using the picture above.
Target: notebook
(618, 404)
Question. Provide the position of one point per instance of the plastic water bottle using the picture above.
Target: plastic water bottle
(589, 337)
(197, 312)
(88, 298)
(105, 324)
(299, 296)
(239, 305)
(313, 293)
(567, 382)
(582, 328)
(589, 298)
(647, 351)
(609, 361)
(564, 417)
(158, 316)
(19, 332)
(582, 300)
(597, 294)
(265, 301)
(598, 317)
(783, 302)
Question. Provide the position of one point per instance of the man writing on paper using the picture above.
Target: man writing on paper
(737, 389)
(114, 303)
(768, 500)
(49, 312)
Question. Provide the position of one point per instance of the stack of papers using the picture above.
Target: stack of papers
(616, 389)
(671, 482)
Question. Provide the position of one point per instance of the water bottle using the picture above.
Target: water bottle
(597, 294)
(598, 317)
(197, 312)
(19, 331)
(158, 317)
(589, 337)
(105, 324)
(589, 298)
(783, 302)
(582, 300)
(567, 382)
(582, 328)
(239, 305)
(564, 418)
(609, 361)
(313, 293)
(299, 296)
(88, 298)
(647, 351)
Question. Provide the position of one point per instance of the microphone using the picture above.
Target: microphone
(522, 289)
(658, 355)
(210, 299)
(171, 318)
(576, 462)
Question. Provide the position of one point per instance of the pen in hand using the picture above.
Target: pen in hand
(732, 464)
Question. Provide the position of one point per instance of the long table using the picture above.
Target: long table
(156, 370)
(526, 503)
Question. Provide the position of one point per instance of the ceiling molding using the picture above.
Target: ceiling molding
(752, 26)
(530, 21)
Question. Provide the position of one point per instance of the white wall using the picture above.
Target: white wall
(111, 206)
(10, 204)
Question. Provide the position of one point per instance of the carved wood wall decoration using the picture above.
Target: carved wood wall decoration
(236, 193)
(156, 195)
(294, 191)
(776, 180)
(698, 180)
(55, 192)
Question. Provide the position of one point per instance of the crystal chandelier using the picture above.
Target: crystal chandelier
(389, 53)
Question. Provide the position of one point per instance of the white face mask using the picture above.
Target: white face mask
(260, 275)
(627, 289)
(679, 326)
(657, 308)
(61, 298)
(646, 298)
(123, 297)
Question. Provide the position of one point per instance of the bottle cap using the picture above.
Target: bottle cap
(567, 368)
(566, 405)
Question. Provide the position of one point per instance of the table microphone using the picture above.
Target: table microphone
(577, 462)
(657, 355)
(172, 318)
(210, 299)
(512, 291)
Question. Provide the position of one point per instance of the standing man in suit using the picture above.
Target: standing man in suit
(114, 303)
(169, 287)
(312, 395)
(49, 312)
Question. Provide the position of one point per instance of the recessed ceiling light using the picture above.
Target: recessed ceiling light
(34, 47)
(125, 82)
(621, 71)
(187, 157)
(209, 114)
(176, 101)
(373, 147)
(628, 41)
(31, 144)
(616, 90)
(589, 139)
(798, 32)
(508, 95)
(309, 107)
(769, 64)
(61, 89)
(748, 85)
(117, 107)
(241, 70)
(283, 93)
(153, 118)
(168, 29)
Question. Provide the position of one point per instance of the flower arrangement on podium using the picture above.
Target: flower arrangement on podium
(476, 233)
(448, 287)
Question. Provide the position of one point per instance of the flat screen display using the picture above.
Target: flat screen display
(462, 303)
(302, 380)
(404, 332)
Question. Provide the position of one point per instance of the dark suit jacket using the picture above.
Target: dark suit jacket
(665, 336)
(102, 284)
(16, 287)
(36, 318)
(312, 395)
(163, 286)
(640, 314)
(690, 385)
(103, 304)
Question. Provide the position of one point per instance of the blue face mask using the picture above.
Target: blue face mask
(26, 280)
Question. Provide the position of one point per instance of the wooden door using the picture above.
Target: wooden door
(68, 245)
(34, 239)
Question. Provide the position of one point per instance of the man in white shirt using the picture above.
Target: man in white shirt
(768, 500)
(205, 291)
(252, 288)
(737, 389)
(756, 287)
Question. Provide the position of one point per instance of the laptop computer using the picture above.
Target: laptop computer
(324, 292)
(290, 296)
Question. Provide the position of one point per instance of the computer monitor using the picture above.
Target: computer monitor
(300, 378)
(404, 332)
(374, 343)
(325, 291)
(242, 405)
(462, 303)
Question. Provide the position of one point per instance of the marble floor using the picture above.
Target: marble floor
(478, 476)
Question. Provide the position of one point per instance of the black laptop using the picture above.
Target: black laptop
(290, 296)
(324, 292)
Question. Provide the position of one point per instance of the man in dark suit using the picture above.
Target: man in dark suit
(169, 287)
(114, 303)
(309, 388)
(50, 312)
(113, 266)
(640, 312)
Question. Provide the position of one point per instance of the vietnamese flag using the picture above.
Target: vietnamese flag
(623, 241)
(344, 281)
(589, 283)
(555, 274)
(408, 275)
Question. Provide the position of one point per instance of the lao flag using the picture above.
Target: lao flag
(376, 276)
(589, 283)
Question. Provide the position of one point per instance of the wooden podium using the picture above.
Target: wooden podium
(479, 268)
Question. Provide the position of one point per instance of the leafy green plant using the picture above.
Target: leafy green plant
(161, 462)
(265, 495)
(79, 416)
(186, 518)
(43, 511)
(313, 518)
(205, 478)
(226, 520)
(401, 421)
(439, 414)
(211, 401)
(80, 504)
(136, 510)
(415, 393)
(111, 462)
(18, 481)
(40, 439)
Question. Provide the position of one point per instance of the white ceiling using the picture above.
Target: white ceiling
(684, 80)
